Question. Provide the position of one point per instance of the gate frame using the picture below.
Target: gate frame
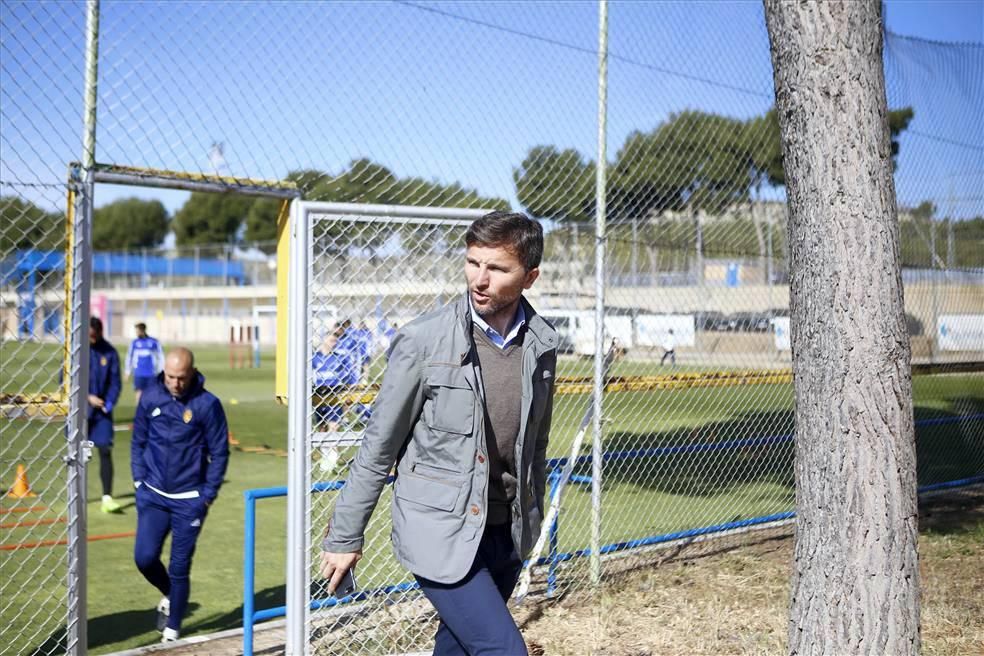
(296, 348)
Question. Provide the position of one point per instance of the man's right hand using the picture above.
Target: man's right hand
(334, 566)
(96, 402)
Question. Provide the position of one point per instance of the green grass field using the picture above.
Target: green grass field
(641, 496)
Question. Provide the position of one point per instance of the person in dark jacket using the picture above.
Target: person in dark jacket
(104, 392)
(178, 455)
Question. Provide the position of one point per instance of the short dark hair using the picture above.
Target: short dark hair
(96, 323)
(513, 230)
(141, 326)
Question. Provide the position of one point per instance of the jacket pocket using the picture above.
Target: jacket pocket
(451, 407)
(422, 488)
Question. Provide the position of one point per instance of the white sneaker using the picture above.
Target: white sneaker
(169, 634)
(329, 459)
(163, 613)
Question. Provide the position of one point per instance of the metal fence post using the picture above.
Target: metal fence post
(78, 446)
(297, 346)
(599, 347)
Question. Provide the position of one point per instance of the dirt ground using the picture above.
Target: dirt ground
(734, 601)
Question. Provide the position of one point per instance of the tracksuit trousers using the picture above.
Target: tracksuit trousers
(157, 516)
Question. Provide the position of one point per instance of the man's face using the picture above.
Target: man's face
(496, 278)
(178, 376)
(94, 335)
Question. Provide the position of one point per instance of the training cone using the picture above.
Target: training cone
(21, 489)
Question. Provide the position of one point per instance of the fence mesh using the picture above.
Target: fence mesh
(486, 105)
(35, 148)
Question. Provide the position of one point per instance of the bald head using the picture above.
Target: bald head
(179, 370)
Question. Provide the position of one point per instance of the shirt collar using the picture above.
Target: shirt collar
(499, 340)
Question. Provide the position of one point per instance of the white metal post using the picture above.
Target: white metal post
(297, 347)
(597, 449)
(77, 433)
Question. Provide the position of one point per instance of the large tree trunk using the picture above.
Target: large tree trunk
(855, 587)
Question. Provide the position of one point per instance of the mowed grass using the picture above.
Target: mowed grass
(642, 496)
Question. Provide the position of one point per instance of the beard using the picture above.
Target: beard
(493, 306)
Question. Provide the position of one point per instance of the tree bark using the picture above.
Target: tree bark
(855, 587)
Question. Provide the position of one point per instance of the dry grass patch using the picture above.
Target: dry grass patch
(735, 602)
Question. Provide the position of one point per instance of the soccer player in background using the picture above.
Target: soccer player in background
(144, 359)
(104, 392)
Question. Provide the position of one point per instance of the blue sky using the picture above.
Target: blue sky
(450, 91)
(938, 20)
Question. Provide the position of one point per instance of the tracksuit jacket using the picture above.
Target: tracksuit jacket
(104, 378)
(180, 444)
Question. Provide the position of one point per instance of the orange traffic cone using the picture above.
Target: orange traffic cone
(21, 489)
(232, 440)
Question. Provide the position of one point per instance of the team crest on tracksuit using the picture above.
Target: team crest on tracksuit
(103, 361)
(187, 415)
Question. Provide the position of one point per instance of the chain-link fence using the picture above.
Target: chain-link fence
(484, 105)
(34, 514)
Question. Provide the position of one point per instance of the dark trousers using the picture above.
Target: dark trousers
(668, 354)
(106, 469)
(475, 620)
(156, 517)
(101, 434)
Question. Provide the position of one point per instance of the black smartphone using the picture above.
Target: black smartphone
(347, 585)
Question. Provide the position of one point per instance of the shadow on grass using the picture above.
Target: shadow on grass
(263, 599)
(953, 450)
(952, 512)
(110, 629)
(720, 457)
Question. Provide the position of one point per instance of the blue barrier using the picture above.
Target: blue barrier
(553, 559)
(250, 615)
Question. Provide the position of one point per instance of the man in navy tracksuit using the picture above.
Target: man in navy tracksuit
(104, 392)
(179, 454)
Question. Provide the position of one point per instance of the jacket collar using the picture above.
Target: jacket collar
(197, 385)
(545, 336)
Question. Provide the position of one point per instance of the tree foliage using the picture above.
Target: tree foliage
(130, 223)
(210, 218)
(556, 184)
(261, 220)
(25, 225)
(692, 161)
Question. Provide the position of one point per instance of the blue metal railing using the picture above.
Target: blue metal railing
(554, 558)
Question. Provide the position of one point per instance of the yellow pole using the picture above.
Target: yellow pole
(67, 309)
(283, 257)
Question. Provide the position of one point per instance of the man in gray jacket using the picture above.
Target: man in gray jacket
(464, 412)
